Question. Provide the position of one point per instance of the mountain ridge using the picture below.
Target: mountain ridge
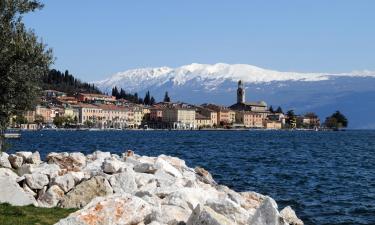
(217, 83)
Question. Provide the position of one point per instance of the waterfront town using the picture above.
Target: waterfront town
(99, 111)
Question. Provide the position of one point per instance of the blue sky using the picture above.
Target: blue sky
(94, 39)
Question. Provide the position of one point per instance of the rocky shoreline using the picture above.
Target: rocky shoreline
(131, 190)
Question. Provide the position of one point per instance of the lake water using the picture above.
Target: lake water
(327, 177)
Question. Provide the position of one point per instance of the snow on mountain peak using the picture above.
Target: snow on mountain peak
(212, 75)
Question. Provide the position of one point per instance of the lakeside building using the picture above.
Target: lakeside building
(250, 119)
(179, 116)
(89, 113)
(224, 116)
(202, 121)
(47, 113)
(96, 98)
(272, 124)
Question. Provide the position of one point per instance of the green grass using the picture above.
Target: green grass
(31, 215)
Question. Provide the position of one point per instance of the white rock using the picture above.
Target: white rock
(13, 194)
(15, 160)
(34, 158)
(166, 167)
(67, 161)
(51, 197)
(111, 166)
(143, 178)
(84, 192)
(65, 182)
(171, 214)
(5, 172)
(230, 210)
(206, 216)
(267, 214)
(290, 216)
(122, 209)
(189, 198)
(25, 155)
(77, 176)
(100, 155)
(123, 182)
(51, 170)
(4, 161)
(27, 189)
(144, 168)
(36, 180)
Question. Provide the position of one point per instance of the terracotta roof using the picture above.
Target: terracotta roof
(201, 117)
(111, 107)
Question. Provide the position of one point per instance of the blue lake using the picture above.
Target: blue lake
(327, 177)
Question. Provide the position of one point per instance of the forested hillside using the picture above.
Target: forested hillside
(66, 82)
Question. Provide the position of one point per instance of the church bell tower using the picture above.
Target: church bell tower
(240, 93)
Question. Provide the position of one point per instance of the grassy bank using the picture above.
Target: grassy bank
(20, 215)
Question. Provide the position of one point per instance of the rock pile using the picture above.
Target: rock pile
(131, 190)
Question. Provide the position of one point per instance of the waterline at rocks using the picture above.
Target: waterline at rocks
(132, 189)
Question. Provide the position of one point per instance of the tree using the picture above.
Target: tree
(20, 119)
(291, 119)
(39, 119)
(152, 100)
(115, 92)
(279, 110)
(271, 109)
(59, 121)
(147, 98)
(336, 121)
(24, 60)
(166, 97)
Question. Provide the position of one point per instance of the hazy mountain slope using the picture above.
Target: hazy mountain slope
(353, 93)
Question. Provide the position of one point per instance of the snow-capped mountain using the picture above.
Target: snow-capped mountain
(353, 93)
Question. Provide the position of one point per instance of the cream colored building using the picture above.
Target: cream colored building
(202, 121)
(89, 112)
(274, 125)
(114, 116)
(179, 118)
(138, 117)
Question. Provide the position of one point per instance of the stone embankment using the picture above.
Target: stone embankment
(131, 190)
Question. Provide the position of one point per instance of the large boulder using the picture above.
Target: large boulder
(165, 166)
(5, 172)
(65, 182)
(25, 155)
(204, 175)
(204, 215)
(36, 180)
(34, 158)
(51, 170)
(4, 161)
(189, 198)
(144, 168)
(170, 214)
(123, 182)
(124, 209)
(230, 210)
(290, 216)
(84, 192)
(67, 161)
(111, 166)
(267, 214)
(13, 194)
(77, 176)
(15, 160)
(51, 197)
